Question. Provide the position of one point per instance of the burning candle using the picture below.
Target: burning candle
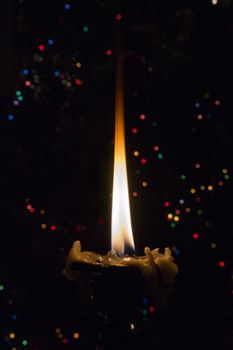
(157, 268)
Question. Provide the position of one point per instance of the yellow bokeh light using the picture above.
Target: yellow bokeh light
(176, 218)
(170, 216)
(12, 335)
(210, 188)
(76, 335)
(43, 226)
(136, 153)
(225, 171)
(187, 210)
(145, 184)
(193, 190)
(213, 245)
(78, 65)
(132, 326)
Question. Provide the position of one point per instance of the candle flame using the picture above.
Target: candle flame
(121, 221)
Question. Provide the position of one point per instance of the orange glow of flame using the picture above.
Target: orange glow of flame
(121, 221)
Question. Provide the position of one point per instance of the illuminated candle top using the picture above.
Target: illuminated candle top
(122, 234)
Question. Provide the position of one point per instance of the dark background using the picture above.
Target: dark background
(57, 156)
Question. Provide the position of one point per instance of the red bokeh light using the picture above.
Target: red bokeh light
(41, 47)
(119, 17)
(151, 309)
(78, 82)
(108, 52)
(143, 161)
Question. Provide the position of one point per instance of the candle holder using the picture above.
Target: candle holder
(113, 288)
(115, 293)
